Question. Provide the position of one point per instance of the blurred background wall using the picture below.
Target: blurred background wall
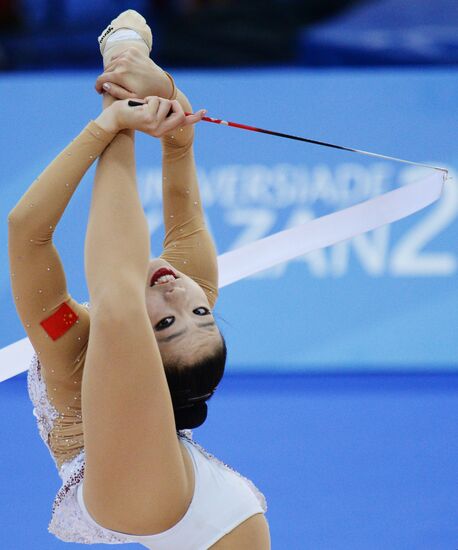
(343, 366)
(216, 33)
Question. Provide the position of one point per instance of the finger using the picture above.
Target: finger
(152, 104)
(117, 91)
(116, 76)
(195, 117)
(104, 77)
(175, 117)
(176, 111)
(164, 109)
(173, 122)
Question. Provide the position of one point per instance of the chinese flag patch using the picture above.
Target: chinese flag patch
(59, 322)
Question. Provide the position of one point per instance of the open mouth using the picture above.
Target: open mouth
(162, 276)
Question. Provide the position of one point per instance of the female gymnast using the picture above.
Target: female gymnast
(117, 386)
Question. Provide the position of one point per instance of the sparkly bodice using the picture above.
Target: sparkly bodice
(43, 410)
(68, 522)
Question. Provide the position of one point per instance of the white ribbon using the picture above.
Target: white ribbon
(327, 230)
(286, 245)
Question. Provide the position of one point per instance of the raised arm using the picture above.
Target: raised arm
(188, 244)
(37, 277)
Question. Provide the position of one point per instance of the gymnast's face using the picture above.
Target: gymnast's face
(180, 314)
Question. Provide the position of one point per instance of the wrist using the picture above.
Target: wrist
(179, 138)
(108, 120)
(172, 89)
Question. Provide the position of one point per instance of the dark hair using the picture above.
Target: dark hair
(191, 385)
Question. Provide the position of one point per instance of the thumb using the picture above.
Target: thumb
(117, 91)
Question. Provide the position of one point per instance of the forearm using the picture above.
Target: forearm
(117, 247)
(39, 210)
(188, 244)
(180, 189)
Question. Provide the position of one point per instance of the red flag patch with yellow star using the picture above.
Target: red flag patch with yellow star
(59, 322)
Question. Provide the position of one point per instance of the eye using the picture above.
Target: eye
(201, 311)
(164, 323)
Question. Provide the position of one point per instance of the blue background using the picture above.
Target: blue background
(385, 300)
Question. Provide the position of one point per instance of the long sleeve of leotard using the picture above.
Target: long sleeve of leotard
(39, 285)
(188, 245)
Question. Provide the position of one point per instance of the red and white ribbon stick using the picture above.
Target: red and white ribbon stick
(313, 141)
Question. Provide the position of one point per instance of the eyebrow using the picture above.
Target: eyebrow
(181, 332)
(172, 336)
(204, 325)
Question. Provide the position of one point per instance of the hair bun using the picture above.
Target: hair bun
(191, 417)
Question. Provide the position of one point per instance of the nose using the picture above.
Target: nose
(175, 293)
